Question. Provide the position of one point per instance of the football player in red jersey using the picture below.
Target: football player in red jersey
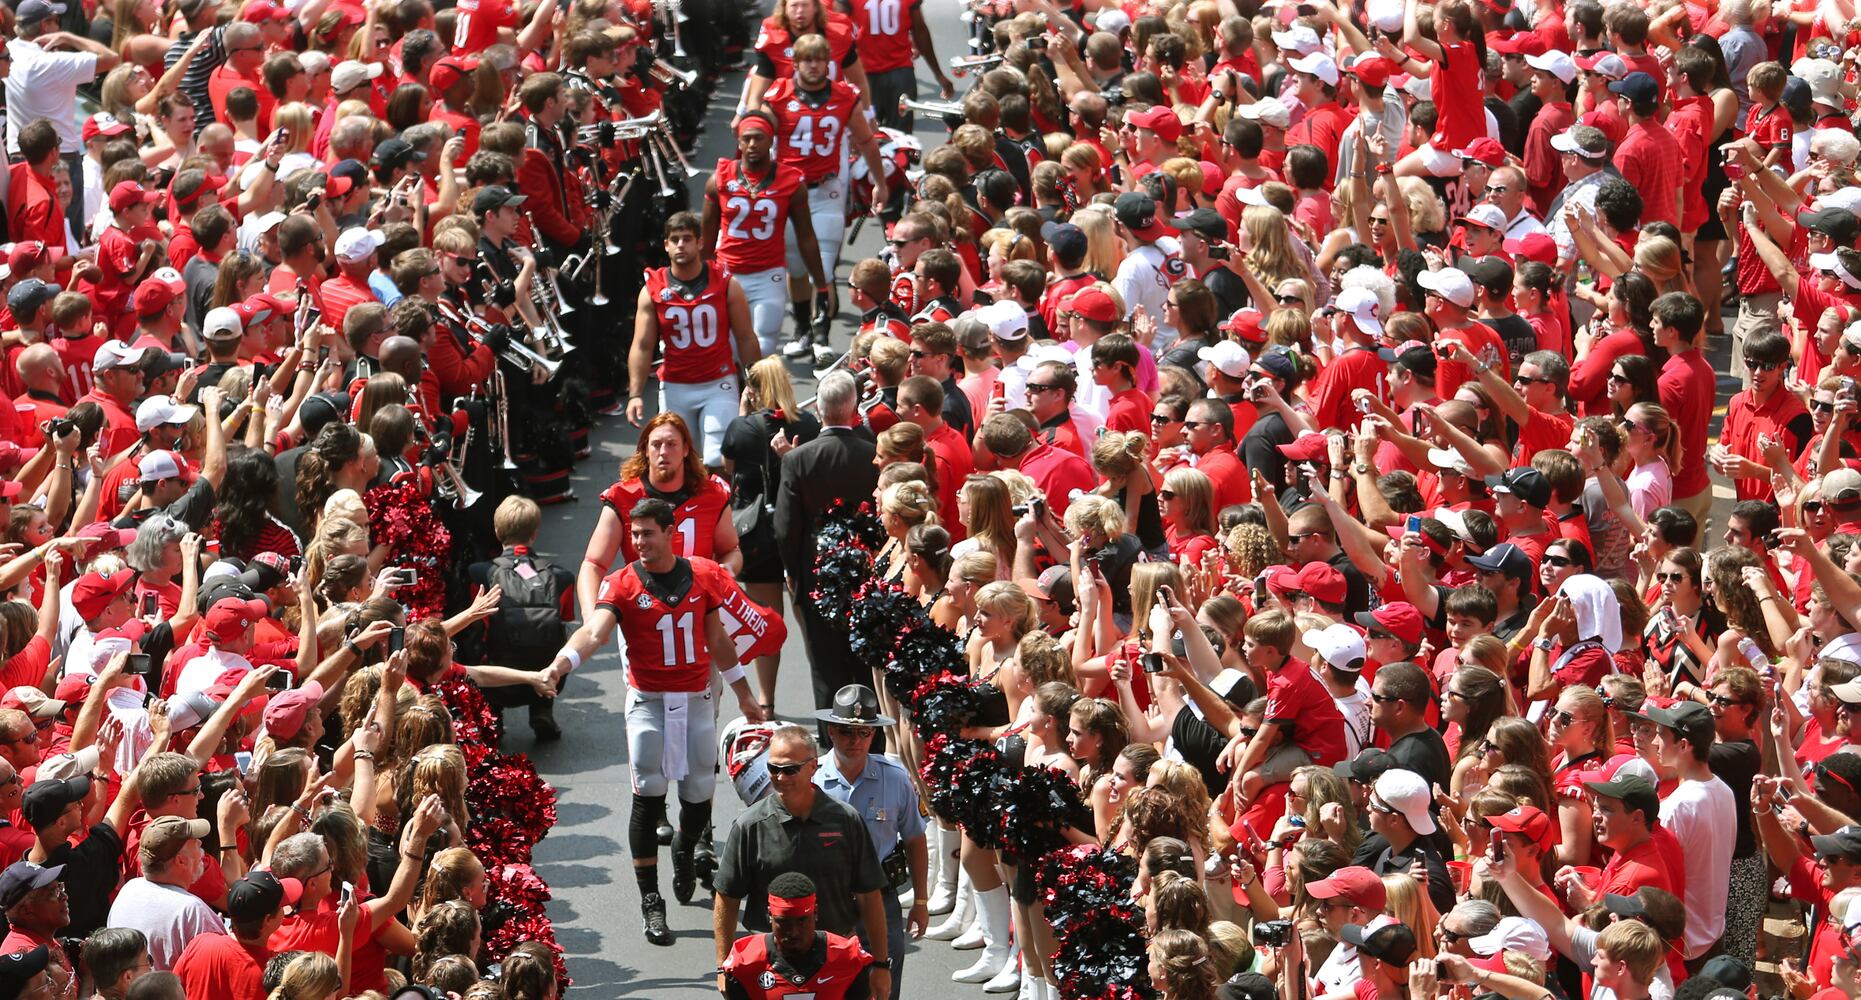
(795, 959)
(748, 202)
(815, 114)
(665, 467)
(666, 607)
(685, 305)
(892, 34)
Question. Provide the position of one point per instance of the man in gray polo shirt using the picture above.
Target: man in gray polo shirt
(799, 828)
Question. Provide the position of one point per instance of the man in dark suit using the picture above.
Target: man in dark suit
(837, 465)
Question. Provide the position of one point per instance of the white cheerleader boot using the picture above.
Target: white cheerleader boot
(960, 912)
(948, 864)
(994, 920)
(1010, 979)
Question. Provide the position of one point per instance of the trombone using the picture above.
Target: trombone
(907, 105)
(964, 65)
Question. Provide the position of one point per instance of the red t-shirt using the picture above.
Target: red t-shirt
(1059, 474)
(317, 931)
(218, 965)
(1687, 385)
(477, 27)
(1302, 706)
(1130, 411)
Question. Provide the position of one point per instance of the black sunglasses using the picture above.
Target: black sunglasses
(1821, 407)
(1762, 366)
(787, 770)
(1159, 419)
(1552, 559)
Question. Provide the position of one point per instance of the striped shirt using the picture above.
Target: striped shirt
(194, 81)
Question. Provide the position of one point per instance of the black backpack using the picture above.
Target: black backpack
(527, 629)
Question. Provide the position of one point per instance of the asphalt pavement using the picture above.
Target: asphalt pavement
(596, 905)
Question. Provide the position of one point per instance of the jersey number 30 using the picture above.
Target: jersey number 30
(740, 210)
(696, 325)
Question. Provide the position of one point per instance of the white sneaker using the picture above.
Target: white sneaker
(797, 349)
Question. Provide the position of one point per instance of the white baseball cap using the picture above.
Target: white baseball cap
(1270, 110)
(1112, 20)
(1361, 305)
(222, 323)
(1488, 215)
(1005, 319)
(1319, 65)
(1555, 62)
(1299, 38)
(115, 354)
(1407, 793)
(1451, 283)
(1230, 358)
(357, 243)
(1338, 645)
(156, 411)
(159, 465)
(352, 73)
(1514, 934)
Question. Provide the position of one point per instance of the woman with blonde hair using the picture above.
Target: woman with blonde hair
(986, 511)
(435, 770)
(968, 575)
(313, 975)
(1104, 250)
(1187, 503)
(902, 507)
(1085, 173)
(1289, 328)
(453, 874)
(1122, 461)
(1270, 258)
(1662, 260)
(1411, 906)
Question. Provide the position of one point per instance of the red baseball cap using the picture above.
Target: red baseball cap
(104, 536)
(102, 123)
(1307, 447)
(449, 71)
(94, 591)
(1158, 118)
(127, 194)
(1373, 71)
(1534, 246)
(1484, 149)
(1356, 883)
(1398, 618)
(74, 688)
(28, 254)
(152, 296)
(1323, 582)
(1518, 43)
(286, 711)
(1527, 821)
(264, 10)
(1248, 324)
(1613, 127)
(230, 617)
(1095, 305)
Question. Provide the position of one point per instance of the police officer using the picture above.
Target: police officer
(879, 788)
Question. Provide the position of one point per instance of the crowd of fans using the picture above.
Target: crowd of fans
(1297, 422)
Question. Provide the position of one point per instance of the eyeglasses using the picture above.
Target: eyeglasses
(1823, 774)
(915, 353)
(1674, 577)
(1618, 377)
(1523, 379)
(1033, 386)
(1497, 189)
(1289, 300)
(1485, 747)
(1563, 718)
(897, 242)
(1762, 366)
(1561, 562)
(189, 791)
(1247, 732)
(1384, 699)
(1821, 407)
(1377, 221)
(1166, 494)
(851, 732)
(1159, 419)
(1296, 539)
(1457, 695)
(1723, 702)
(787, 770)
(1630, 426)
(1450, 937)
(1383, 807)
(1190, 425)
(1812, 506)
